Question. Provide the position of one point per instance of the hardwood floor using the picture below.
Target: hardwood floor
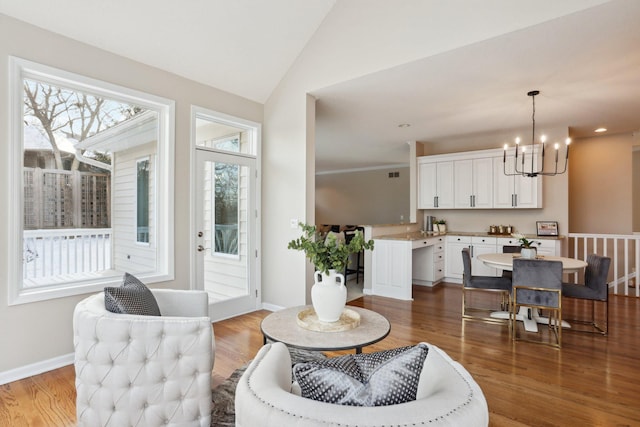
(592, 381)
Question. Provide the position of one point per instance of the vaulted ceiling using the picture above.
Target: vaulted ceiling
(585, 62)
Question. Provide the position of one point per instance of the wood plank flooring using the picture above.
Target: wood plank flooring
(592, 381)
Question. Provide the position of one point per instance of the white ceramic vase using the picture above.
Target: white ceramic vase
(328, 296)
(529, 253)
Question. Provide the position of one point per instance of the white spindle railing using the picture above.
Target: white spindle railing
(624, 251)
(57, 252)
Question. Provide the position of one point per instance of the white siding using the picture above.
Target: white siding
(129, 255)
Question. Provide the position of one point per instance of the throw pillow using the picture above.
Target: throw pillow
(382, 378)
(133, 297)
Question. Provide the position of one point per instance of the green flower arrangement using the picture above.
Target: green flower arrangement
(328, 253)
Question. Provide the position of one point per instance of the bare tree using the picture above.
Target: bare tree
(77, 115)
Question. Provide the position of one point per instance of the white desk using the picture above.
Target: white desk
(530, 318)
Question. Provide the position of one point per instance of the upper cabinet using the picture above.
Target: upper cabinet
(515, 191)
(474, 180)
(473, 183)
(435, 185)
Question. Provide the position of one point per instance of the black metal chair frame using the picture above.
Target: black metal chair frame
(348, 235)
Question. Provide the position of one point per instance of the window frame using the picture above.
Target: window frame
(19, 69)
(138, 161)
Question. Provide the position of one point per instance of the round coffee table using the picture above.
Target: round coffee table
(282, 326)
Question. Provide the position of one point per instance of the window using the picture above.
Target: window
(142, 205)
(90, 183)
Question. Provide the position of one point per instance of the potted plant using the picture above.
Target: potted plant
(442, 225)
(329, 255)
(527, 250)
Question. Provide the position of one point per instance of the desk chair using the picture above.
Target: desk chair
(594, 289)
(471, 283)
(537, 284)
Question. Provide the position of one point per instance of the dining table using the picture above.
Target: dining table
(529, 316)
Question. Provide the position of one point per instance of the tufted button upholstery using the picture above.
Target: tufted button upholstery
(144, 370)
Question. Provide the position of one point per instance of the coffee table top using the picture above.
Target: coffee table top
(282, 326)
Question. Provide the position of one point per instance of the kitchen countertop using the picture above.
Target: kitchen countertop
(419, 235)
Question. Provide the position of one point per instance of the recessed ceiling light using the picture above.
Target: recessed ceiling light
(404, 125)
(599, 130)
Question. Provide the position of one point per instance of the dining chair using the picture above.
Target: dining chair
(471, 283)
(595, 289)
(510, 249)
(537, 285)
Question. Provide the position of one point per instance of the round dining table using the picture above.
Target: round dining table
(530, 317)
(504, 261)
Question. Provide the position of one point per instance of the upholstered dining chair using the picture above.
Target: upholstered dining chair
(471, 283)
(537, 284)
(595, 289)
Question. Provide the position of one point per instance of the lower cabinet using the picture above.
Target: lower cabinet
(399, 264)
(453, 264)
(484, 245)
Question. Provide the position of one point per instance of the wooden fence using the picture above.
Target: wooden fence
(56, 198)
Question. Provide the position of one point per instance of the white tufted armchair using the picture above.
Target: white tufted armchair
(144, 370)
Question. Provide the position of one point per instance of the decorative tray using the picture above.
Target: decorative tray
(308, 319)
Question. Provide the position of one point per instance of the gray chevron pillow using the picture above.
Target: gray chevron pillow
(133, 297)
(371, 379)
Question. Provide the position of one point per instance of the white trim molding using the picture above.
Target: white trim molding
(35, 368)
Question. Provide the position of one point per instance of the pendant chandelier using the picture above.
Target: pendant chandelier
(521, 160)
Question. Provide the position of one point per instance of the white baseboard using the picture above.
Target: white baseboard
(35, 368)
(271, 307)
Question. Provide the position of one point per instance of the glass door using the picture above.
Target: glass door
(225, 230)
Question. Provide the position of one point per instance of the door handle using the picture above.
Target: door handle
(200, 248)
(200, 234)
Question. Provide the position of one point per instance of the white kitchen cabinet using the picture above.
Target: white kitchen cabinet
(514, 191)
(482, 245)
(473, 183)
(428, 260)
(435, 185)
(453, 261)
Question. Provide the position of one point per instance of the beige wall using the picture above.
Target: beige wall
(600, 185)
(635, 188)
(40, 331)
(363, 197)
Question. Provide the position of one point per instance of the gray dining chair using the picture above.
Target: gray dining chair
(537, 284)
(595, 290)
(471, 283)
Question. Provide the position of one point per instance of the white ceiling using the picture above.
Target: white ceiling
(586, 65)
(240, 46)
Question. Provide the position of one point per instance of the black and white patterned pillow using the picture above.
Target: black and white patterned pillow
(133, 297)
(382, 378)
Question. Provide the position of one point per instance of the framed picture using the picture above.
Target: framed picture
(547, 228)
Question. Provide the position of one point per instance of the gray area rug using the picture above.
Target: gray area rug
(223, 396)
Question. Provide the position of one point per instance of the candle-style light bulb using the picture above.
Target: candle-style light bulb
(543, 138)
(504, 158)
(556, 146)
